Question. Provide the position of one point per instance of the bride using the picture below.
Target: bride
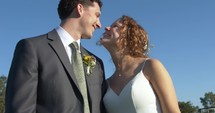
(139, 84)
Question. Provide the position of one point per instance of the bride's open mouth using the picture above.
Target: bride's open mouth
(105, 36)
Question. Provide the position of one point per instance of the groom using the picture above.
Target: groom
(42, 79)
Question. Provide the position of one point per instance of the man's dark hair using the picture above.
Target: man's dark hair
(66, 7)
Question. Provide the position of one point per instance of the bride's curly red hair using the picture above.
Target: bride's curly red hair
(133, 38)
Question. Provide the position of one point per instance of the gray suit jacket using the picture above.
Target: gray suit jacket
(41, 79)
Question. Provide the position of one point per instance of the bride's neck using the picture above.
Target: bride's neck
(126, 65)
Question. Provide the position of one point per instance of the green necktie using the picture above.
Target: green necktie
(79, 73)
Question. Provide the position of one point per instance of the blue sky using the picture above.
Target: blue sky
(181, 31)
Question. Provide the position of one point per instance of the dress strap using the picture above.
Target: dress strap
(144, 63)
(108, 81)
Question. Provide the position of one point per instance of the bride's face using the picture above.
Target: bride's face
(111, 34)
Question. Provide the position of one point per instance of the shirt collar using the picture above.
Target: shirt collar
(66, 38)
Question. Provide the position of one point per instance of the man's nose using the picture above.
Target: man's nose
(98, 24)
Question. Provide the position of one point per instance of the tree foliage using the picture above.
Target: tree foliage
(208, 100)
(187, 107)
(3, 80)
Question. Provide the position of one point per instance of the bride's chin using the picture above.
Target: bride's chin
(103, 42)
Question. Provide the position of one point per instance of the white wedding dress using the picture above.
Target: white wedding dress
(137, 96)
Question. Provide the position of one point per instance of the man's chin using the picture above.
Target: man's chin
(87, 37)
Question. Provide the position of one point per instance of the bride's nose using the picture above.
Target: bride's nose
(107, 28)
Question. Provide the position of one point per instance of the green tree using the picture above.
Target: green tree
(208, 100)
(3, 80)
(187, 107)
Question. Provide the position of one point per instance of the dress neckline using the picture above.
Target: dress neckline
(124, 87)
(118, 94)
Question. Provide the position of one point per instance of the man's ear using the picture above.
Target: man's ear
(80, 9)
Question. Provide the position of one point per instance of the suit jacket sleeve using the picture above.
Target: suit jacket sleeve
(22, 82)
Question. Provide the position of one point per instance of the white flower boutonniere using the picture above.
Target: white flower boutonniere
(90, 61)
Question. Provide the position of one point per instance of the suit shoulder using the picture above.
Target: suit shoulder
(37, 37)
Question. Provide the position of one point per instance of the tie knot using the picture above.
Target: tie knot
(75, 45)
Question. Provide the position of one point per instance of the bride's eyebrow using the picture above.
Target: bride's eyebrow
(115, 24)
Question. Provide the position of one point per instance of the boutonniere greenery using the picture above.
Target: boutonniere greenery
(90, 62)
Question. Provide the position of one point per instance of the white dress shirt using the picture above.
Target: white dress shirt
(66, 39)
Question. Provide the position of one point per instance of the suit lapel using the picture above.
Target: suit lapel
(59, 49)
